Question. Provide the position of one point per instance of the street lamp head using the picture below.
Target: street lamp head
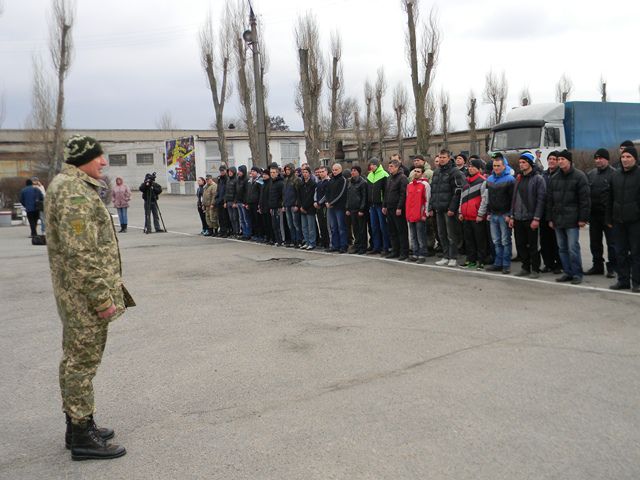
(248, 37)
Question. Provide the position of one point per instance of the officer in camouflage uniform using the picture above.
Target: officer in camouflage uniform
(209, 202)
(87, 284)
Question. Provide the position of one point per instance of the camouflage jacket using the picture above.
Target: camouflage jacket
(83, 250)
(209, 195)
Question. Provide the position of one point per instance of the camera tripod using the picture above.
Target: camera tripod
(148, 207)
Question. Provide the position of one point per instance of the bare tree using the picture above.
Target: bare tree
(400, 101)
(358, 130)
(368, 130)
(41, 120)
(61, 49)
(216, 64)
(431, 114)
(563, 88)
(472, 111)
(422, 72)
(346, 108)
(525, 97)
(603, 89)
(380, 90)
(495, 93)
(445, 120)
(165, 122)
(335, 84)
(310, 87)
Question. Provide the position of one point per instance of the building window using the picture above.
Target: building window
(144, 158)
(289, 152)
(118, 160)
(213, 159)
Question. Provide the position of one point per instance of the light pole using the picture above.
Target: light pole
(251, 38)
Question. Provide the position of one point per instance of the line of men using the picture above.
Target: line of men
(463, 206)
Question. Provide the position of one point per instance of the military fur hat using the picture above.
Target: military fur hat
(81, 149)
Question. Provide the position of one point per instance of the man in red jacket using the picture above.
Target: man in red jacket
(416, 211)
(473, 222)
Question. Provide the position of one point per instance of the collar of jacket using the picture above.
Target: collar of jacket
(73, 171)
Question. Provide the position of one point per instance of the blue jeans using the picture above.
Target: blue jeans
(338, 227)
(308, 221)
(418, 233)
(379, 232)
(295, 225)
(245, 220)
(569, 250)
(122, 216)
(501, 236)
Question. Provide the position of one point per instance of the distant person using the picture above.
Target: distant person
(291, 201)
(625, 144)
(600, 179)
(209, 207)
(240, 202)
(120, 197)
(320, 204)
(395, 209)
(568, 210)
(336, 195)
(223, 215)
(150, 191)
(538, 161)
(38, 184)
(276, 202)
(202, 183)
(230, 201)
(377, 181)
(473, 221)
(461, 163)
(252, 199)
(263, 208)
(357, 193)
(32, 200)
(307, 194)
(417, 210)
(624, 216)
(548, 242)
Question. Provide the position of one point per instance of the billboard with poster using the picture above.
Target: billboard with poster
(181, 160)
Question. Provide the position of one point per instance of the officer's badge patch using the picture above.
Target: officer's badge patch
(78, 226)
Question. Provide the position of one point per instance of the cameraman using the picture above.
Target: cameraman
(150, 191)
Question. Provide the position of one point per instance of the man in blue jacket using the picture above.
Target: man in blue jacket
(31, 199)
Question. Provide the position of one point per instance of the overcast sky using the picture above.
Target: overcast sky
(135, 60)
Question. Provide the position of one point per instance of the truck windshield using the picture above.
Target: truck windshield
(516, 139)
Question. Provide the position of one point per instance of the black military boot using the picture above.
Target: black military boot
(87, 444)
(105, 433)
(124, 228)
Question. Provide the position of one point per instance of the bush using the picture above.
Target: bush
(10, 190)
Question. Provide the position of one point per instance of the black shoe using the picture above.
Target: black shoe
(595, 270)
(635, 289)
(546, 270)
(87, 444)
(506, 271)
(564, 278)
(523, 273)
(402, 258)
(620, 286)
(393, 255)
(576, 280)
(104, 433)
(557, 271)
(342, 250)
(611, 274)
(373, 252)
(493, 268)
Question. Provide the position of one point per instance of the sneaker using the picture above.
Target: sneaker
(452, 263)
(480, 266)
(442, 262)
(523, 273)
(576, 280)
(469, 265)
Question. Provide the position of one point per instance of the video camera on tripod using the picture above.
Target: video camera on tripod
(150, 191)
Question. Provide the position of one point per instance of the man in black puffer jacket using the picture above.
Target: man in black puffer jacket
(240, 202)
(568, 210)
(230, 198)
(395, 208)
(624, 215)
(357, 193)
(446, 185)
(600, 184)
(276, 202)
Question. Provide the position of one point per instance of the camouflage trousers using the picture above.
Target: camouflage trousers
(82, 349)
(212, 217)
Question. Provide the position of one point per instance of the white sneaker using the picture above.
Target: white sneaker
(452, 263)
(442, 261)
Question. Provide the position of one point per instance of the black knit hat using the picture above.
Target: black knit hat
(601, 152)
(357, 169)
(463, 156)
(81, 149)
(478, 163)
(626, 143)
(256, 169)
(631, 151)
(566, 154)
(553, 154)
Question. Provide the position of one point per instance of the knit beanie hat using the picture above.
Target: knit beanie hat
(81, 149)
(602, 152)
(631, 151)
(627, 143)
(463, 156)
(528, 156)
(566, 154)
(478, 163)
(256, 169)
(553, 154)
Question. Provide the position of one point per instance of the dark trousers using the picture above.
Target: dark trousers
(475, 241)
(151, 209)
(275, 225)
(256, 220)
(627, 242)
(33, 222)
(549, 246)
(359, 229)
(203, 218)
(527, 245)
(321, 215)
(432, 233)
(448, 234)
(398, 233)
(598, 228)
(267, 229)
(223, 220)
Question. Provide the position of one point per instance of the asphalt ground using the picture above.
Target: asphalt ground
(244, 361)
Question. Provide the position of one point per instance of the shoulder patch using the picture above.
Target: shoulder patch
(78, 226)
(78, 199)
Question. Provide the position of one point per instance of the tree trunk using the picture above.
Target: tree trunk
(58, 150)
(334, 109)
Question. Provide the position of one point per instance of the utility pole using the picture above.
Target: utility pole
(251, 38)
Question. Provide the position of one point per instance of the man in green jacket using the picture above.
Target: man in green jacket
(377, 181)
(87, 283)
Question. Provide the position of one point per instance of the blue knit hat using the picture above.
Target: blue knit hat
(528, 156)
